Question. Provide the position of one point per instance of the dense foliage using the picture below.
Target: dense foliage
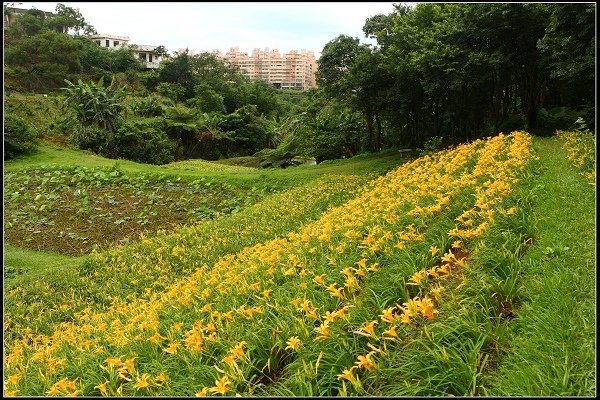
(41, 51)
(458, 71)
(439, 73)
(18, 136)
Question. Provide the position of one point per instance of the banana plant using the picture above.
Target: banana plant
(94, 104)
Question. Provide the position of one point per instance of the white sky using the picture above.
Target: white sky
(210, 25)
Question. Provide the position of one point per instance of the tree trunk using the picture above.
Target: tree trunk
(531, 95)
(378, 133)
(370, 133)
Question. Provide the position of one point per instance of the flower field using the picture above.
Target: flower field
(321, 309)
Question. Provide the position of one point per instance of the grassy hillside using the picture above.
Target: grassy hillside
(189, 170)
(71, 202)
(466, 272)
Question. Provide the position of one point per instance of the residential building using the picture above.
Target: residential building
(290, 70)
(109, 41)
(146, 53)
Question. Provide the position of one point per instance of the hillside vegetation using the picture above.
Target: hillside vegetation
(438, 74)
(437, 278)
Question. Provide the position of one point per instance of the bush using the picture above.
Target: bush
(173, 91)
(144, 142)
(92, 138)
(94, 104)
(558, 118)
(580, 126)
(147, 107)
(513, 123)
(589, 116)
(18, 136)
(244, 132)
(141, 141)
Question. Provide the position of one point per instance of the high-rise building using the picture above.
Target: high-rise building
(290, 70)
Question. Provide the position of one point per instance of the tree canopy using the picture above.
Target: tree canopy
(461, 70)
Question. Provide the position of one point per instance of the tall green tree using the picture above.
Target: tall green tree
(179, 70)
(351, 71)
(40, 62)
(69, 20)
(568, 49)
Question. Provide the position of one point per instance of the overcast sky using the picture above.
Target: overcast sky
(208, 26)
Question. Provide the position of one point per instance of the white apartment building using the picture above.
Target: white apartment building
(290, 70)
(146, 53)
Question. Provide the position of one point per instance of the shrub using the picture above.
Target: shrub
(18, 136)
(147, 107)
(557, 118)
(144, 142)
(580, 126)
(173, 91)
(431, 145)
(141, 141)
(94, 104)
(92, 138)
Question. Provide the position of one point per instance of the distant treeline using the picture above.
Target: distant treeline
(461, 70)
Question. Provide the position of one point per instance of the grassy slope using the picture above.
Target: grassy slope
(35, 263)
(34, 271)
(244, 177)
(19, 260)
(553, 346)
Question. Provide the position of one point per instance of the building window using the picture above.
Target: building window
(107, 43)
(116, 43)
(149, 57)
(99, 42)
(143, 56)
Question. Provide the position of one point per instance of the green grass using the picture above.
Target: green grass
(93, 280)
(311, 191)
(236, 282)
(518, 320)
(451, 355)
(245, 161)
(552, 340)
(189, 170)
(22, 265)
(45, 115)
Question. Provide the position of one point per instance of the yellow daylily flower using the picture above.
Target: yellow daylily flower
(221, 385)
(293, 343)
